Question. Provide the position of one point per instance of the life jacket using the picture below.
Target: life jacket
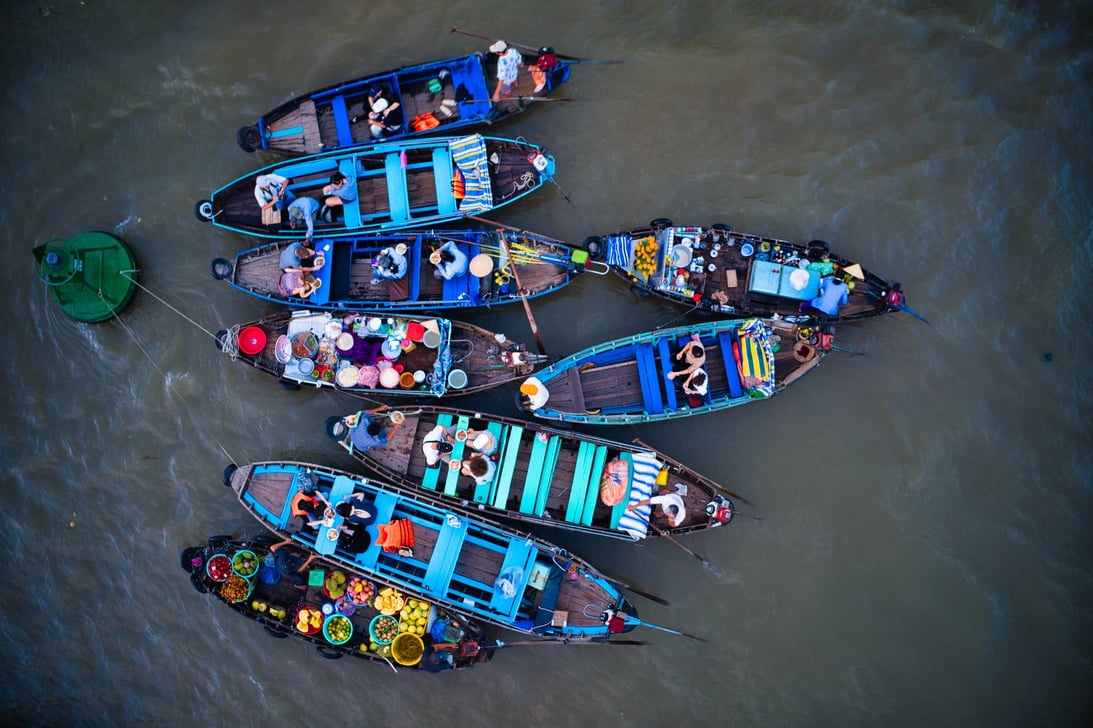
(424, 122)
(459, 190)
(297, 500)
(396, 535)
(615, 483)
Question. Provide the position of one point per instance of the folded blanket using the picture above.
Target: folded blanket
(636, 522)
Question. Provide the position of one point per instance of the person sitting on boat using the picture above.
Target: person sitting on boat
(450, 261)
(365, 432)
(338, 192)
(437, 446)
(693, 354)
(299, 284)
(479, 467)
(354, 539)
(299, 256)
(390, 264)
(272, 193)
(832, 294)
(481, 441)
(289, 562)
(670, 504)
(352, 514)
(696, 386)
(302, 211)
(385, 118)
(509, 63)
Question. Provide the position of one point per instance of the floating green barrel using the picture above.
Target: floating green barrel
(91, 276)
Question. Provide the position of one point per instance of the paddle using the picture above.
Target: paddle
(635, 620)
(524, 299)
(521, 99)
(525, 643)
(531, 49)
(726, 491)
(669, 536)
(647, 595)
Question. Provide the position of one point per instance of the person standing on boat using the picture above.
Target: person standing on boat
(272, 193)
(509, 63)
(449, 260)
(365, 432)
(303, 210)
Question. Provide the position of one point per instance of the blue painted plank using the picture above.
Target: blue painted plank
(650, 379)
(442, 164)
(341, 121)
(397, 194)
(351, 210)
(665, 368)
(449, 544)
(520, 555)
(724, 339)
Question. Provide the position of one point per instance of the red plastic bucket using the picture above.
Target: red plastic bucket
(414, 331)
(252, 340)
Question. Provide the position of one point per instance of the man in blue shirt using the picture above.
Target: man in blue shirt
(833, 293)
(365, 432)
(303, 210)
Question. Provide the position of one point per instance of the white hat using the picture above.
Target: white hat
(498, 47)
(380, 105)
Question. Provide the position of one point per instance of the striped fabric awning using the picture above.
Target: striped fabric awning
(636, 522)
(757, 355)
(469, 154)
(620, 251)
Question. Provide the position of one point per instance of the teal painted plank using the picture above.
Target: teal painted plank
(286, 132)
(534, 476)
(449, 544)
(457, 454)
(598, 462)
(432, 475)
(579, 487)
(351, 210)
(520, 555)
(511, 455)
(482, 492)
(442, 166)
(553, 447)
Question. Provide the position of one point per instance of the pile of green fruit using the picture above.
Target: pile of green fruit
(414, 616)
(245, 563)
(334, 584)
(338, 629)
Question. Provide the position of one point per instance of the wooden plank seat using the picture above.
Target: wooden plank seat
(511, 455)
(451, 482)
(432, 475)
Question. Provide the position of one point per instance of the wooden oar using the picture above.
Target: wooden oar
(532, 49)
(669, 536)
(524, 299)
(647, 595)
(726, 491)
(516, 98)
(525, 643)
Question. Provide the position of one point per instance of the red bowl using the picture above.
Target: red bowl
(252, 340)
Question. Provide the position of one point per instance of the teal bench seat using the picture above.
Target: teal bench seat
(503, 481)
(432, 475)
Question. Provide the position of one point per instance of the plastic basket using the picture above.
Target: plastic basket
(337, 618)
(407, 649)
(377, 620)
(252, 555)
(213, 572)
(310, 629)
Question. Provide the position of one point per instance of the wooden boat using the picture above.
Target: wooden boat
(378, 355)
(443, 554)
(413, 183)
(626, 381)
(543, 475)
(275, 600)
(445, 96)
(738, 274)
(541, 264)
(91, 276)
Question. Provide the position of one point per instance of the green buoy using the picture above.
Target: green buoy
(91, 276)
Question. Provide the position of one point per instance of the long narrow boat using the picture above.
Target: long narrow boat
(739, 274)
(443, 96)
(627, 380)
(378, 355)
(443, 554)
(289, 604)
(543, 475)
(413, 183)
(499, 257)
